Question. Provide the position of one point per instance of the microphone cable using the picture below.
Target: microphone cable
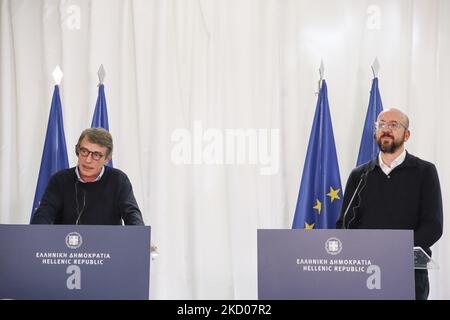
(79, 213)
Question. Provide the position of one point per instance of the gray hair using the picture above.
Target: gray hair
(98, 136)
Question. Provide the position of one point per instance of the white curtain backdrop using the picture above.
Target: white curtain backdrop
(207, 70)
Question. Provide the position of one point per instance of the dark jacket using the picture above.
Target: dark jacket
(105, 202)
(408, 198)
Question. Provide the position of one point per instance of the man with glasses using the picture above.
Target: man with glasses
(395, 190)
(91, 192)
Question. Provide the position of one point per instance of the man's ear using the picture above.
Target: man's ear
(407, 135)
(108, 159)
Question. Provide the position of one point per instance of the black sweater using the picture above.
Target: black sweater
(408, 198)
(107, 201)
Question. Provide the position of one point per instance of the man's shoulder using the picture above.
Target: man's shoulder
(365, 167)
(115, 173)
(413, 160)
(64, 173)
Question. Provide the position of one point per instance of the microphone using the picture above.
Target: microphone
(357, 191)
(79, 212)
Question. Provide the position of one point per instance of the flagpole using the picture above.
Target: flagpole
(375, 67)
(321, 74)
(368, 148)
(320, 194)
(57, 75)
(101, 75)
(100, 117)
(54, 154)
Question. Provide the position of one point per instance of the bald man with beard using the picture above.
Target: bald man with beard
(400, 191)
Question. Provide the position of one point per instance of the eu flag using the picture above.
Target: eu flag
(54, 156)
(369, 148)
(100, 118)
(320, 197)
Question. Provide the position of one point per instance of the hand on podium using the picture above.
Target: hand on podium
(153, 251)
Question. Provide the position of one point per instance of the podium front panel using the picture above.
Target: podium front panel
(74, 262)
(335, 264)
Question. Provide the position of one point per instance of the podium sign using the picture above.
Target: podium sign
(74, 262)
(335, 264)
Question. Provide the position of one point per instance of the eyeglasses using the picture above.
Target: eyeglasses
(388, 125)
(95, 155)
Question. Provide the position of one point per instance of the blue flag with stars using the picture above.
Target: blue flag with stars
(369, 147)
(54, 156)
(320, 197)
(100, 118)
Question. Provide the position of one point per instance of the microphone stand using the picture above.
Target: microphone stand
(363, 177)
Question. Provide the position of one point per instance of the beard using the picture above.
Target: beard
(392, 145)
